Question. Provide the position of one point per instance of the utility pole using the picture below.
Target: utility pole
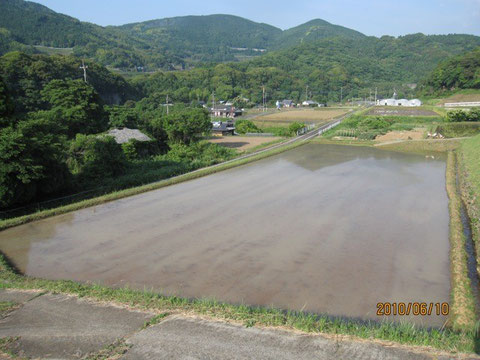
(167, 104)
(263, 97)
(84, 68)
(341, 95)
(306, 93)
(213, 108)
(375, 95)
(370, 96)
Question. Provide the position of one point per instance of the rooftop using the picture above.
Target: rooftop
(125, 134)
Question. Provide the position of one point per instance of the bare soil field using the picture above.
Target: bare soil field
(242, 143)
(307, 115)
(460, 98)
(415, 134)
(395, 111)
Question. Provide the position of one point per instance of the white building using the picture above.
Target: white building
(398, 102)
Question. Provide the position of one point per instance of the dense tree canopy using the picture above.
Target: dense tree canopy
(32, 161)
(76, 105)
(461, 72)
(186, 126)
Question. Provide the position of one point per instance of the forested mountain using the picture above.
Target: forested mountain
(34, 24)
(460, 72)
(167, 44)
(320, 55)
(205, 38)
(311, 31)
(325, 66)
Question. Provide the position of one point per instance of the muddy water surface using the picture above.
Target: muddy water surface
(321, 228)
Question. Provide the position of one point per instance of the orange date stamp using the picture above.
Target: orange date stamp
(415, 309)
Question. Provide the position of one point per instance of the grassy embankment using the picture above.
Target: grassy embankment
(469, 167)
(441, 339)
(462, 302)
(465, 95)
(4, 224)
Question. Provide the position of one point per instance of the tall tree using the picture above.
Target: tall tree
(77, 105)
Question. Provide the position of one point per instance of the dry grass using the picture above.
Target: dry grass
(243, 143)
(421, 146)
(462, 304)
(460, 98)
(302, 115)
(416, 134)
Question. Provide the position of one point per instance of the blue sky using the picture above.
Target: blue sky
(376, 17)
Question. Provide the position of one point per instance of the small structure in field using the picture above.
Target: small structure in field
(288, 104)
(124, 135)
(310, 103)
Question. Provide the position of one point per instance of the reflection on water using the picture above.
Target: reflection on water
(321, 228)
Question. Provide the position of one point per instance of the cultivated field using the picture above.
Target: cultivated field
(300, 115)
(461, 98)
(242, 143)
(54, 51)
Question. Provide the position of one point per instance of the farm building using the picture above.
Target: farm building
(399, 102)
(225, 111)
(309, 103)
(220, 128)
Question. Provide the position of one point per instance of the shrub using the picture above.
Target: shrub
(462, 115)
(294, 127)
(246, 126)
(94, 157)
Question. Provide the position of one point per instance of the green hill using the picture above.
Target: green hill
(313, 30)
(460, 72)
(318, 54)
(34, 24)
(208, 38)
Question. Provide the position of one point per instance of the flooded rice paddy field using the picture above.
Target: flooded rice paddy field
(322, 228)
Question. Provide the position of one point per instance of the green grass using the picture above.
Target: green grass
(403, 333)
(469, 166)
(263, 146)
(6, 306)
(42, 214)
(416, 120)
(458, 129)
(422, 146)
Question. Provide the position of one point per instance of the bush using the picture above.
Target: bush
(198, 154)
(294, 127)
(373, 123)
(246, 126)
(462, 115)
(94, 157)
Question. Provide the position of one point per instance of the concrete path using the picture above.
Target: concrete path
(46, 326)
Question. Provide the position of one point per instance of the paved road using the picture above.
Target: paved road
(50, 326)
